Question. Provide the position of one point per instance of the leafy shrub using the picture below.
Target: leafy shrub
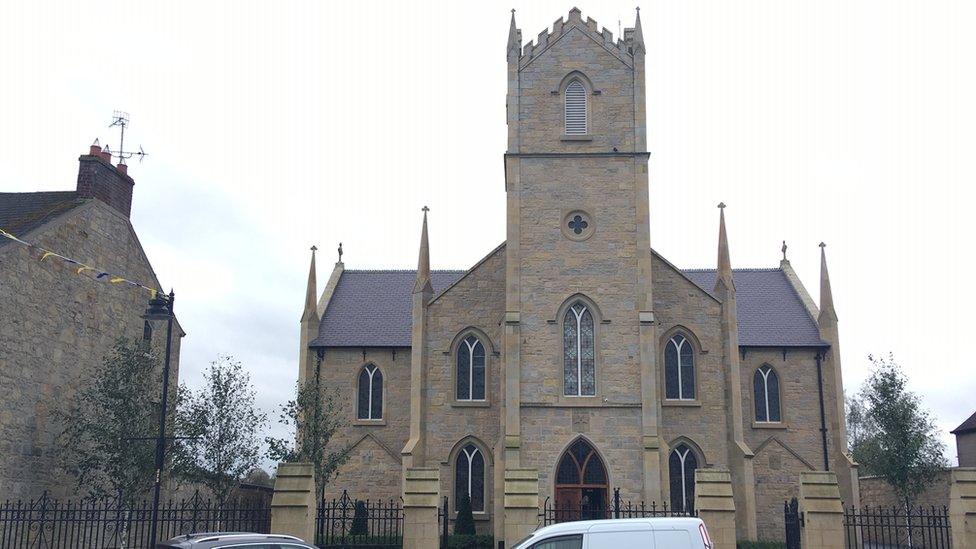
(464, 525)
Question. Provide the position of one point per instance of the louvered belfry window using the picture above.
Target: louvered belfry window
(575, 108)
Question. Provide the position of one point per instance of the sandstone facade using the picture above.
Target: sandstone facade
(578, 240)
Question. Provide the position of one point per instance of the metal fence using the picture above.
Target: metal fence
(617, 509)
(897, 527)
(349, 523)
(49, 523)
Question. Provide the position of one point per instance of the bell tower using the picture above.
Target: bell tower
(578, 237)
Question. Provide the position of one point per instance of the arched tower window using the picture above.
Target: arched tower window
(575, 108)
(469, 477)
(681, 466)
(679, 368)
(470, 369)
(765, 384)
(370, 396)
(579, 375)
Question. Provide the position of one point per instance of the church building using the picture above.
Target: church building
(573, 348)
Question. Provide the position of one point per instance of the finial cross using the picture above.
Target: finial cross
(721, 205)
(340, 252)
(784, 250)
(313, 248)
(822, 245)
(425, 209)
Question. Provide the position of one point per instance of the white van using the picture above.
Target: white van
(644, 533)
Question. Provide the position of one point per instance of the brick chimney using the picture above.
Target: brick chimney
(98, 178)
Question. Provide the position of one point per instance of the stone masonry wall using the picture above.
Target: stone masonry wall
(680, 305)
(57, 327)
(373, 468)
(475, 305)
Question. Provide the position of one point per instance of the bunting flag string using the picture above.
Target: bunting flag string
(112, 278)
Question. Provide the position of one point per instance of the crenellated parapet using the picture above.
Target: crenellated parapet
(623, 48)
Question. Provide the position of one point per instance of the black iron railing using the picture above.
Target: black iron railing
(348, 522)
(107, 522)
(897, 527)
(617, 509)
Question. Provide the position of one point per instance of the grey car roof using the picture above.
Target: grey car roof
(373, 308)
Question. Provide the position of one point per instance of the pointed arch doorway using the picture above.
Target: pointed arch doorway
(582, 492)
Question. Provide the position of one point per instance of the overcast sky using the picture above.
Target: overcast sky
(272, 126)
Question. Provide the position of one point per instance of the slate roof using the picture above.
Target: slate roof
(373, 308)
(23, 212)
(770, 312)
(967, 426)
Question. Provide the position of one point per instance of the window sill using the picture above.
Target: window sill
(769, 425)
(582, 137)
(369, 422)
(682, 403)
(471, 404)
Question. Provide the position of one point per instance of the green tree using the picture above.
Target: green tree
(107, 442)
(464, 524)
(220, 424)
(315, 419)
(891, 435)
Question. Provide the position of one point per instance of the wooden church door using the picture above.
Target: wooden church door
(581, 484)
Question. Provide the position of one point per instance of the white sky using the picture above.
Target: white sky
(275, 125)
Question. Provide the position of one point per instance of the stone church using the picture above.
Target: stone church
(573, 348)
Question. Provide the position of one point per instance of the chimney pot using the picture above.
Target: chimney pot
(106, 154)
(95, 150)
(123, 168)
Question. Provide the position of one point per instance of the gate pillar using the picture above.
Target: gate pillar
(962, 507)
(421, 496)
(715, 505)
(293, 503)
(521, 504)
(823, 512)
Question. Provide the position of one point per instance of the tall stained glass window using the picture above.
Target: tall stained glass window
(681, 466)
(469, 477)
(679, 369)
(765, 384)
(579, 375)
(370, 396)
(471, 369)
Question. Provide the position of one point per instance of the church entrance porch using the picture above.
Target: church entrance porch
(581, 484)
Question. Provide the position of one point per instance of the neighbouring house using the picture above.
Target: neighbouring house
(966, 442)
(58, 324)
(574, 348)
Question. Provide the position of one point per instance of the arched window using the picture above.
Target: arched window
(370, 401)
(575, 108)
(765, 384)
(471, 369)
(679, 369)
(469, 477)
(579, 377)
(682, 465)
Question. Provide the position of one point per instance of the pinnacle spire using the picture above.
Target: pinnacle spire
(724, 262)
(638, 34)
(423, 262)
(311, 310)
(514, 38)
(826, 295)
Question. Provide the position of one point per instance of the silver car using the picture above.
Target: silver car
(236, 540)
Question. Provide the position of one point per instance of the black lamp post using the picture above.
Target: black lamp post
(161, 308)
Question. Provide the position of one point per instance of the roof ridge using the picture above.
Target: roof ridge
(398, 271)
(738, 270)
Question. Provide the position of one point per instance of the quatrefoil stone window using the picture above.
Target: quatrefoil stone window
(577, 225)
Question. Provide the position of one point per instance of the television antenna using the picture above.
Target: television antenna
(121, 119)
